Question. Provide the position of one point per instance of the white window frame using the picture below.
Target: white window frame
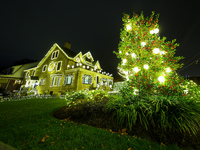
(53, 81)
(69, 79)
(55, 54)
(44, 68)
(60, 66)
(58, 80)
(87, 79)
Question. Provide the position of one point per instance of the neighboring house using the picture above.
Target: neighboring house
(63, 70)
(12, 77)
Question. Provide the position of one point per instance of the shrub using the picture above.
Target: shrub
(77, 97)
(166, 112)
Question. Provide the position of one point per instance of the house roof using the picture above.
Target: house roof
(17, 71)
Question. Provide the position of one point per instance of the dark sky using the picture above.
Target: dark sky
(28, 28)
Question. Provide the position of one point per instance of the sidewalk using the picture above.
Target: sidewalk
(5, 146)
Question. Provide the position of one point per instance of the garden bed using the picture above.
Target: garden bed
(94, 114)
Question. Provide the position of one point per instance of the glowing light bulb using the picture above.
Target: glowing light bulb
(133, 55)
(136, 69)
(124, 61)
(156, 30)
(152, 31)
(161, 79)
(156, 50)
(168, 70)
(143, 44)
(120, 52)
(128, 27)
(146, 66)
(162, 52)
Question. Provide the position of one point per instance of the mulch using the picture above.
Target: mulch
(95, 115)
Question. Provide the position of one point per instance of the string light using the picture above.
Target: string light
(128, 27)
(143, 44)
(133, 55)
(161, 79)
(156, 50)
(136, 69)
(124, 61)
(146, 66)
(168, 70)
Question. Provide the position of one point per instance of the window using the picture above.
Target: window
(104, 81)
(58, 80)
(55, 54)
(68, 79)
(110, 82)
(87, 79)
(33, 73)
(59, 66)
(53, 81)
(44, 68)
(42, 82)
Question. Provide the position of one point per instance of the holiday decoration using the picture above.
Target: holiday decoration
(147, 60)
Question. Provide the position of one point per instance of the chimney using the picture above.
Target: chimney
(67, 45)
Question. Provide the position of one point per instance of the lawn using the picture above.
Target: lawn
(28, 124)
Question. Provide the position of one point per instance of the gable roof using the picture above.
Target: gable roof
(70, 55)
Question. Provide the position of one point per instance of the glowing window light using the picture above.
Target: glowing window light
(161, 79)
(156, 50)
(146, 66)
(133, 55)
(168, 70)
(124, 61)
(128, 27)
(136, 69)
(143, 44)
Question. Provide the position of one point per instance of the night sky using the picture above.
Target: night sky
(28, 28)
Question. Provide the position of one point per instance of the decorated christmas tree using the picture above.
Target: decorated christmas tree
(147, 60)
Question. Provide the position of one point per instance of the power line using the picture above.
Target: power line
(194, 62)
(192, 58)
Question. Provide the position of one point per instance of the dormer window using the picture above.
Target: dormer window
(55, 54)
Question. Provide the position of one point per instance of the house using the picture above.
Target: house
(12, 78)
(63, 70)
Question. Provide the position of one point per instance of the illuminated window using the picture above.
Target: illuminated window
(87, 79)
(58, 80)
(53, 81)
(104, 81)
(68, 79)
(42, 82)
(59, 66)
(44, 68)
(55, 54)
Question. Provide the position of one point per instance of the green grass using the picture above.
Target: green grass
(24, 124)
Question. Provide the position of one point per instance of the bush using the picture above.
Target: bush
(165, 112)
(74, 98)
